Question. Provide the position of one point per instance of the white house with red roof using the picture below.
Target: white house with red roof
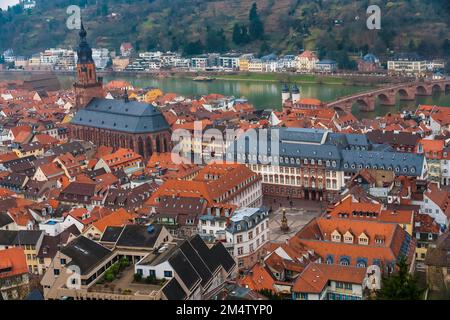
(306, 62)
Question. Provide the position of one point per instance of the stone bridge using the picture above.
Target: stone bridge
(388, 95)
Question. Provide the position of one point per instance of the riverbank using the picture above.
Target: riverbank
(342, 79)
(283, 78)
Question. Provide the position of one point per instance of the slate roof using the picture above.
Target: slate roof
(74, 147)
(5, 219)
(202, 249)
(7, 237)
(339, 151)
(410, 162)
(22, 237)
(184, 269)
(173, 290)
(220, 253)
(243, 216)
(85, 253)
(50, 244)
(119, 115)
(111, 234)
(199, 265)
(302, 134)
(138, 236)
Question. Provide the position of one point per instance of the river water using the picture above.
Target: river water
(261, 94)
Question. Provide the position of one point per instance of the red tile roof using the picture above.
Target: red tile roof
(14, 259)
(315, 277)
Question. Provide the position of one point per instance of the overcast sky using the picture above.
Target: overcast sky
(5, 3)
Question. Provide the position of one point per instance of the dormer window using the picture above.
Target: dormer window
(363, 239)
(335, 236)
(348, 237)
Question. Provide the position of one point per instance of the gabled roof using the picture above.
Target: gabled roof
(184, 269)
(259, 279)
(199, 265)
(173, 290)
(220, 253)
(5, 219)
(85, 253)
(202, 249)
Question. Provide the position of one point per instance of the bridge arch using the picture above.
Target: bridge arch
(363, 104)
(386, 99)
(437, 88)
(404, 94)
(422, 90)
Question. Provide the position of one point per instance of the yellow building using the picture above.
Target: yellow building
(30, 149)
(243, 64)
(152, 95)
(255, 65)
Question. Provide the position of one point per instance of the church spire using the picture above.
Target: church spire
(82, 32)
(87, 85)
(84, 51)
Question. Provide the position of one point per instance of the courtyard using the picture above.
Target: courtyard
(298, 215)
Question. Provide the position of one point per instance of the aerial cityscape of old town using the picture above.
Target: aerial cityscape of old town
(224, 150)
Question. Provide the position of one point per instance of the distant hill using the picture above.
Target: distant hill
(332, 27)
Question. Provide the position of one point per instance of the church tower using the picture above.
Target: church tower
(87, 85)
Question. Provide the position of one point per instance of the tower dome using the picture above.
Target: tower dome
(295, 94)
(285, 95)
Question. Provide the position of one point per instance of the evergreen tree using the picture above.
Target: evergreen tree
(244, 34)
(237, 35)
(401, 285)
(215, 40)
(240, 34)
(256, 28)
